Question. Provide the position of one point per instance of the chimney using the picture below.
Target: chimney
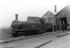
(16, 17)
(55, 8)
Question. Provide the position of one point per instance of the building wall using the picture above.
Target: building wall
(65, 12)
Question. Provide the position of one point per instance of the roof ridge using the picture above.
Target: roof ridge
(48, 13)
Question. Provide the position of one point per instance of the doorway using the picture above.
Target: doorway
(63, 23)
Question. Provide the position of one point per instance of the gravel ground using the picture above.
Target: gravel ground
(37, 41)
(61, 42)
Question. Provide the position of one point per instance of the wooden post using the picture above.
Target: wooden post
(60, 24)
(53, 26)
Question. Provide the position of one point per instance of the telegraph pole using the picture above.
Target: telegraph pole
(55, 10)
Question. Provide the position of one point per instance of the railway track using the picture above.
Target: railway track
(51, 40)
(28, 37)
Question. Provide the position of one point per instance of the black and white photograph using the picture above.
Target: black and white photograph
(34, 23)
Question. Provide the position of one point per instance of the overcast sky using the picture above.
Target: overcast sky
(25, 8)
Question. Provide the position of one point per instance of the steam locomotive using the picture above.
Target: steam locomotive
(33, 26)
